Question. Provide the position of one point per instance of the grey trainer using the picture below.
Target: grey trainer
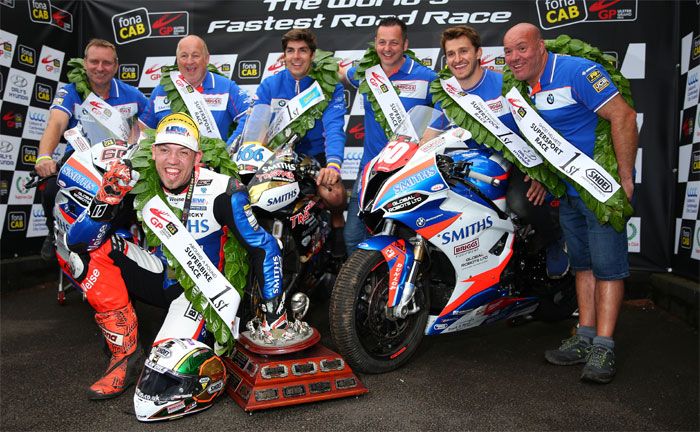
(600, 367)
(572, 351)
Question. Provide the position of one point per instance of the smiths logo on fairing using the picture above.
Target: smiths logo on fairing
(129, 72)
(466, 231)
(131, 26)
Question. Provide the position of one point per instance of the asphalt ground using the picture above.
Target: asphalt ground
(491, 378)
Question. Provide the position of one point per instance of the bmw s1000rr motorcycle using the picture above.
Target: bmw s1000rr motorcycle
(445, 254)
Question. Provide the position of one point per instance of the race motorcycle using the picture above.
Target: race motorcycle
(282, 189)
(445, 254)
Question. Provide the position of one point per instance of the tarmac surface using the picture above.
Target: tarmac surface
(490, 378)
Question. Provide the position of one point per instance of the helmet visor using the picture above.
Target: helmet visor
(164, 385)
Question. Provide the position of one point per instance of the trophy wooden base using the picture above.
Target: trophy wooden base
(258, 382)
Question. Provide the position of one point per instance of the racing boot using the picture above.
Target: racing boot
(120, 329)
(274, 325)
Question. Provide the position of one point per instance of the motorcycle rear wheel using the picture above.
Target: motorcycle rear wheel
(368, 340)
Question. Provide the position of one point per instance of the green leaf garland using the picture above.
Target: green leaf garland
(77, 75)
(481, 135)
(370, 59)
(216, 157)
(617, 209)
(325, 72)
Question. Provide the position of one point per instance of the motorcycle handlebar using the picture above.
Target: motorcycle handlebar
(484, 178)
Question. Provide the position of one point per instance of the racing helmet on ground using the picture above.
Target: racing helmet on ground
(181, 376)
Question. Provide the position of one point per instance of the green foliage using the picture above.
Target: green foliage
(617, 209)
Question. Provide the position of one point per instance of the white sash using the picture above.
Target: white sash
(107, 116)
(571, 161)
(75, 138)
(476, 108)
(196, 105)
(389, 102)
(295, 107)
(218, 291)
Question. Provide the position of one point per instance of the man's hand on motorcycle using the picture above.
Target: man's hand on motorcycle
(45, 167)
(116, 183)
(536, 193)
(327, 177)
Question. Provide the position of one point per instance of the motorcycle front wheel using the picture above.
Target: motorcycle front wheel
(361, 331)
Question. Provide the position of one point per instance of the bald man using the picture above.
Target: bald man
(227, 102)
(570, 93)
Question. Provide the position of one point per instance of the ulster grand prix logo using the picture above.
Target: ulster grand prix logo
(137, 24)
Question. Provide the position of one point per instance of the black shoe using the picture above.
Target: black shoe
(600, 367)
(48, 249)
(572, 351)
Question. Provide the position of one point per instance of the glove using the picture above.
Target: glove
(116, 183)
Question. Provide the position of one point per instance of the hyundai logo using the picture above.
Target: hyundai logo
(19, 81)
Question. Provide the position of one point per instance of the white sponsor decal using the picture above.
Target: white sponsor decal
(50, 63)
(19, 193)
(634, 229)
(19, 86)
(273, 65)
(692, 88)
(37, 222)
(150, 77)
(35, 123)
(225, 63)
(9, 149)
(351, 163)
(691, 201)
(8, 45)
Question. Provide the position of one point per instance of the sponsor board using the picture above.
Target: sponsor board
(691, 200)
(8, 44)
(19, 87)
(13, 121)
(19, 193)
(50, 63)
(493, 57)
(28, 154)
(560, 13)
(634, 229)
(351, 163)
(128, 72)
(37, 222)
(696, 131)
(43, 93)
(40, 11)
(131, 26)
(685, 240)
(225, 63)
(695, 253)
(150, 77)
(616, 10)
(26, 55)
(695, 162)
(692, 88)
(169, 24)
(35, 124)
(249, 69)
(9, 149)
(61, 19)
(272, 65)
(695, 50)
(16, 221)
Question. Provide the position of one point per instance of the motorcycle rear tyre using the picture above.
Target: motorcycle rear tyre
(347, 330)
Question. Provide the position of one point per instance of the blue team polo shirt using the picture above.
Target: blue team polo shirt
(226, 101)
(569, 93)
(413, 79)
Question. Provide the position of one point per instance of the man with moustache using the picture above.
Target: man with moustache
(227, 102)
(390, 42)
(579, 91)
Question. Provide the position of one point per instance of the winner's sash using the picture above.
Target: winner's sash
(563, 155)
(294, 108)
(196, 105)
(222, 297)
(475, 107)
(389, 102)
(106, 116)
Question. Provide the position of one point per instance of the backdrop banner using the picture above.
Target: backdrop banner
(244, 38)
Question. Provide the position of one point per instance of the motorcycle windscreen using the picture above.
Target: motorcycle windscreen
(250, 151)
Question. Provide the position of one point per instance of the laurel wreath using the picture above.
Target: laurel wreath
(325, 72)
(617, 209)
(77, 75)
(483, 136)
(216, 157)
(370, 59)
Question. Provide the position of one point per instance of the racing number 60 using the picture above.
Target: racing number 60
(393, 152)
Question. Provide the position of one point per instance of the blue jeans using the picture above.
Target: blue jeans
(590, 245)
(355, 231)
